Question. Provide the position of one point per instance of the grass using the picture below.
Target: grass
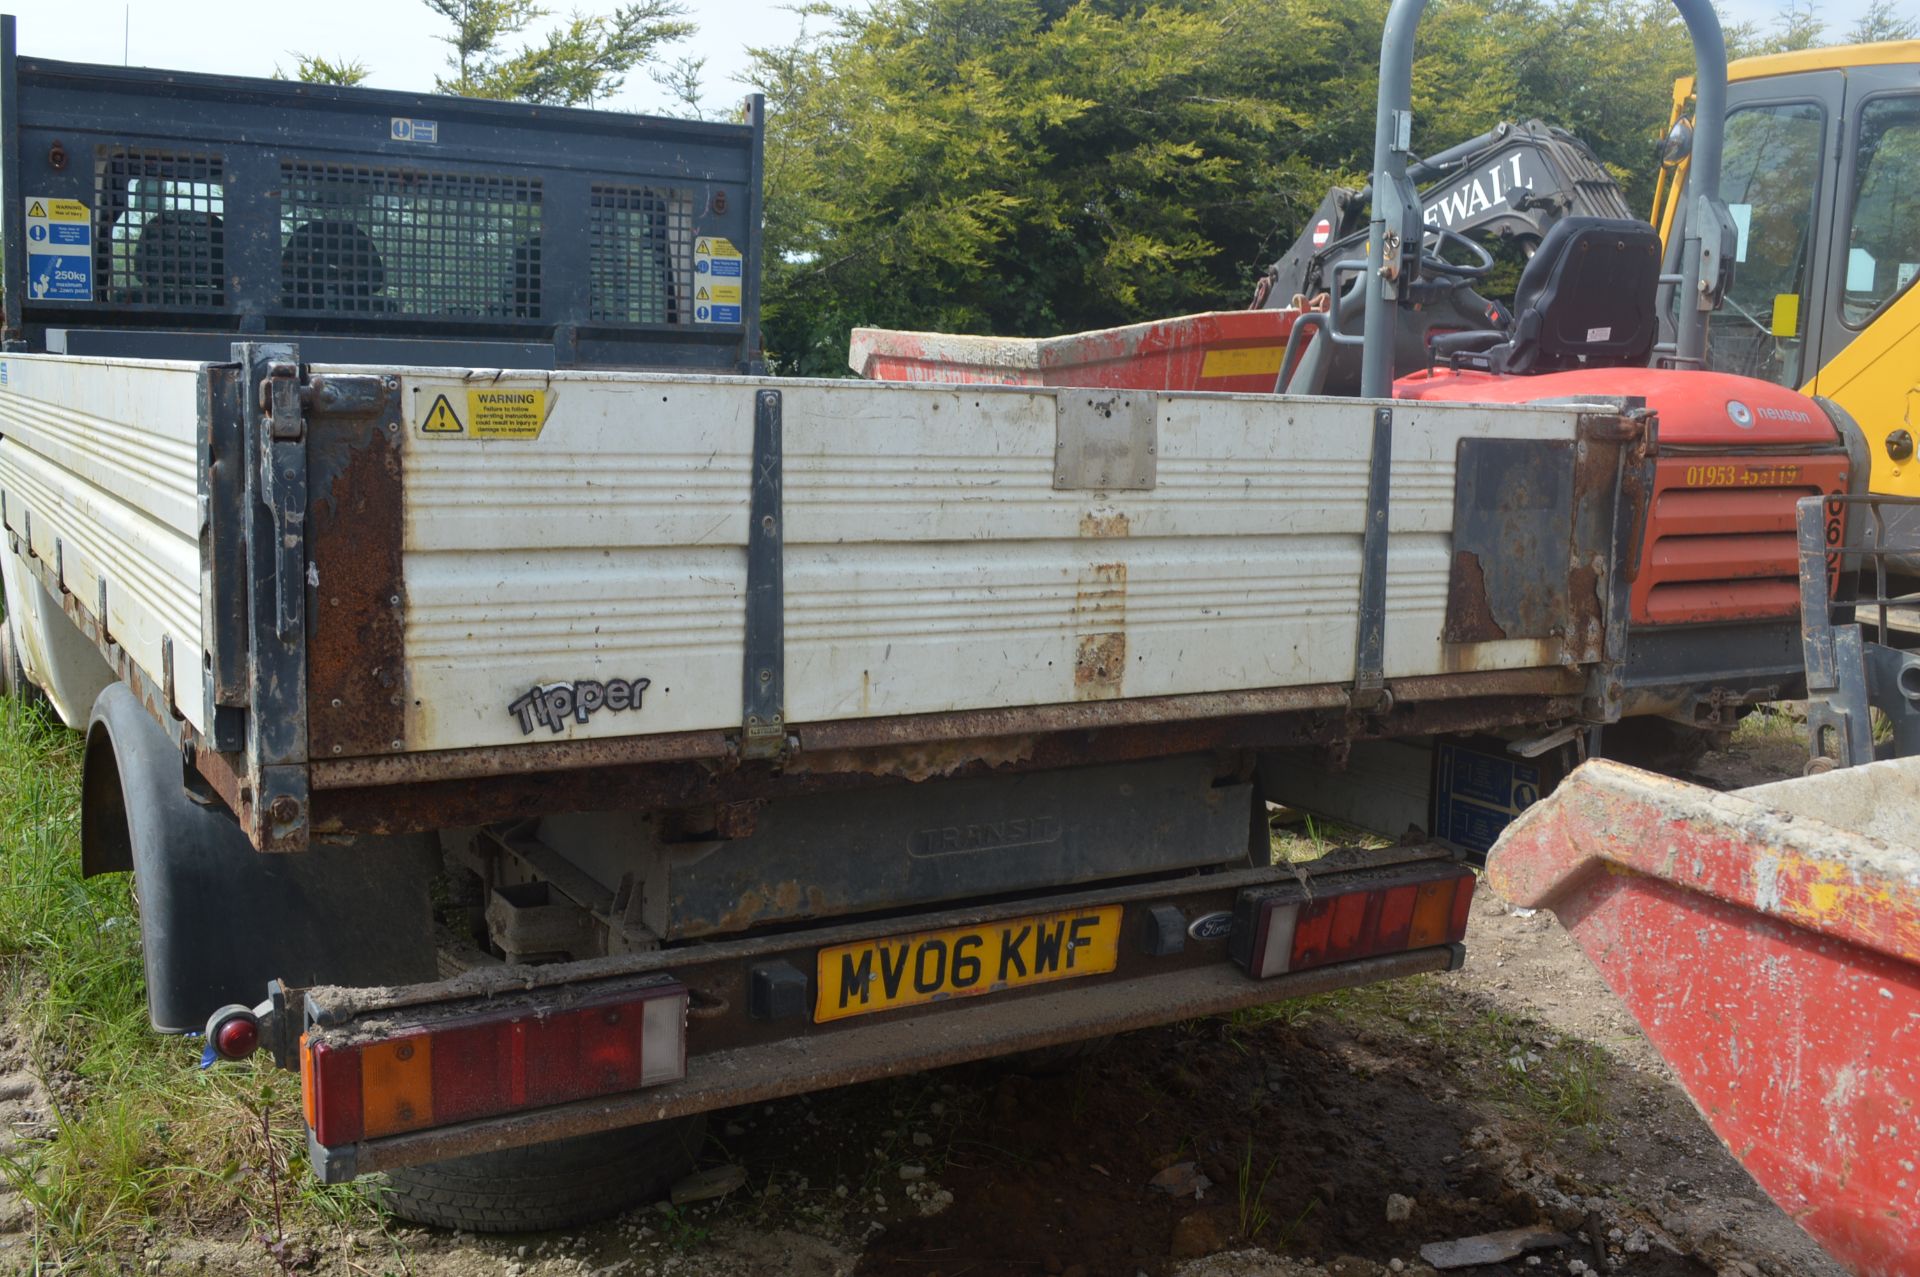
(1556, 1083)
(679, 1232)
(140, 1137)
(1298, 837)
(1254, 1215)
(1284, 1243)
(1783, 722)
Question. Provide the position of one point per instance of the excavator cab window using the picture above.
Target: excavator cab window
(1883, 237)
(1770, 179)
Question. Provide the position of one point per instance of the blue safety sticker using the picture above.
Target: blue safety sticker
(59, 250)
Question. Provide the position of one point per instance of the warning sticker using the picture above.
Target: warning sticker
(506, 413)
(718, 271)
(441, 419)
(497, 412)
(59, 250)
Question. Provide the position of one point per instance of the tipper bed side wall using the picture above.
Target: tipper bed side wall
(931, 561)
(98, 490)
(401, 561)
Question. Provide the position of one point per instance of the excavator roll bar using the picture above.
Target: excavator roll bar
(1394, 235)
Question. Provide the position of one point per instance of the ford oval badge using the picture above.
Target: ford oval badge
(1212, 926)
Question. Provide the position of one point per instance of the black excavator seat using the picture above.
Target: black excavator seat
(331, 264)
(1586, 299)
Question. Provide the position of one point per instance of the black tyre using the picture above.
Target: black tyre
(13, 675)
(1656, 744)
(555, 1185)
(1051, 1061)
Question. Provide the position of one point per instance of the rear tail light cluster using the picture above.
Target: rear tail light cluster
(358, 1083)
(1277, 930)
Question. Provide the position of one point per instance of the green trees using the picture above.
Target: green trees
(1883, 20)
(312, 68)
(582, 60)
(1039, 166)
(1022, 165)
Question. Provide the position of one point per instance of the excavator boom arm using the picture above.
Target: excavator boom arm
(1512, 182)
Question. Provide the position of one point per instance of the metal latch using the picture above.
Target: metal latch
(283, 482)
(280, 399)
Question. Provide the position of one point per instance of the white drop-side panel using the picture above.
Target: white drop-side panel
(610, 547)
(930, 565)
(102, 453)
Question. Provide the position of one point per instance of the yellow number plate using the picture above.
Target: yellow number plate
(905, 971)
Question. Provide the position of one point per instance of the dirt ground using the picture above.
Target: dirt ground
(1336, 1136)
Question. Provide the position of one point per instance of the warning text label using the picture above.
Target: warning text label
(718, 268)
(497, 412)
(506, 413)
(59, 250)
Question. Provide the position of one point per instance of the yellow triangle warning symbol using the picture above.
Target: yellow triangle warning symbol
(702, 294)
(37, 210)
(441, 419)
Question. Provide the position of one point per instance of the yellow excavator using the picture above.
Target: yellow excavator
(1821, 171)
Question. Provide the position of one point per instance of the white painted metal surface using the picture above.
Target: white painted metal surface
(99, 472)
(930, 563)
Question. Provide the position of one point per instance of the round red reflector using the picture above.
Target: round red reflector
(237, 1038)
(1322, 232)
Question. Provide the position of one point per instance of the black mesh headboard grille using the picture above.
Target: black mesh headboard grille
(358, 240)
(159, 231)
(181, 212)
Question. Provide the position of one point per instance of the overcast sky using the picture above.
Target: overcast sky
(396, 39)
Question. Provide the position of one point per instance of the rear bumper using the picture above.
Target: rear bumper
(886, 1048)
(742, 1048)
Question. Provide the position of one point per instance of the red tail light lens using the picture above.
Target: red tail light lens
(448, 1067)
(1279, 929)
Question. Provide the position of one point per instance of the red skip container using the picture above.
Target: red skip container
(1237, 351)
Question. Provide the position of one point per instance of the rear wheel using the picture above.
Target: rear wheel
(13, 675)
(1051, 1061)
(554, 1185)
(1656, 744)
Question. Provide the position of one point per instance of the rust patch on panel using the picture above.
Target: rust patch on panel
(1586, 615)
(1100, 612)
(1100, 666)
(780, 902)
(1105, 523)
(915, 762)
(1469, 615)
(1171, 719)
(355, 651)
